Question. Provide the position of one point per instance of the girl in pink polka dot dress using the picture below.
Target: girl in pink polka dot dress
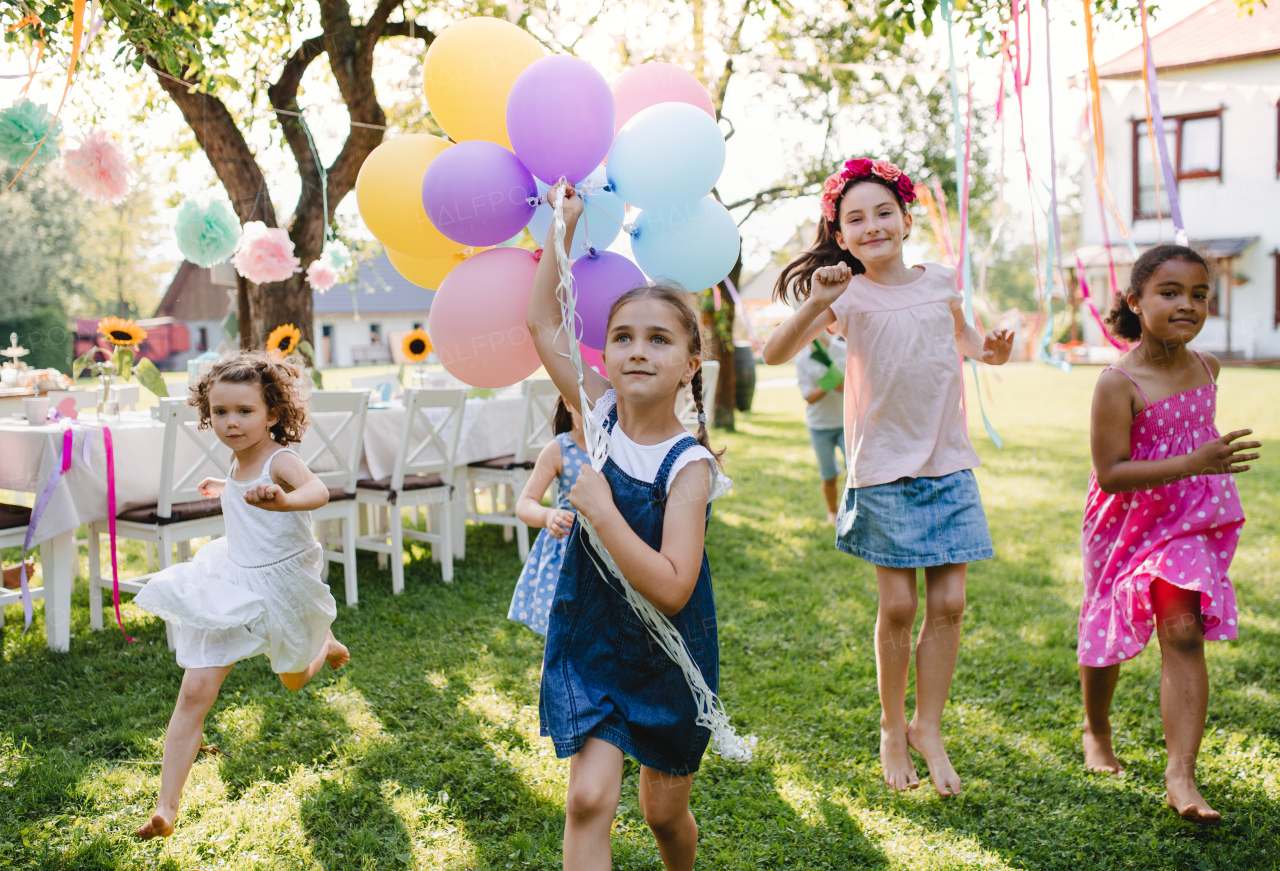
(1162, 517)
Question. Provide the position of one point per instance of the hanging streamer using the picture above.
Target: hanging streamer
(962, 183)
(1154, 114)
(1099, 180)
(1095, 104)
(737, 301)
(1093, 309)
(711, 712)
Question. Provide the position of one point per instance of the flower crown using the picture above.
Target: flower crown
(863, 167)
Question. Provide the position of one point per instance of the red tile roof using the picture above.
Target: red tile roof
(1215, 34)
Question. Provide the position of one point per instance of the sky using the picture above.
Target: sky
(755, 153)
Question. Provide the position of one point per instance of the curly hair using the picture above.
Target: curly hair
(793, 282)
(284, 390)
(1123, 321)
(678, 299)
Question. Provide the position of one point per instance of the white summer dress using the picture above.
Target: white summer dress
(255, 591)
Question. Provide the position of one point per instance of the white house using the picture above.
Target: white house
(1219, 78)
(364, 322)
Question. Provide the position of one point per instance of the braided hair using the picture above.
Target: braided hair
(678, 299)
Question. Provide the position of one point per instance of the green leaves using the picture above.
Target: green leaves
(150, 378)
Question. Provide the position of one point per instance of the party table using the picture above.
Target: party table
(29, 455)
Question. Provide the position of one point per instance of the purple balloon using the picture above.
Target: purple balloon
(601, 280)
(475, 193)
(560, 118)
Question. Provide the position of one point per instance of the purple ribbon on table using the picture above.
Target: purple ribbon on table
(68, 441)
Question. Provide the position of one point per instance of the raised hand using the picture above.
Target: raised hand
(560, 522)
(996, 347)
(269, 497)
(573, 203)
(829, 282)
(1222, 455)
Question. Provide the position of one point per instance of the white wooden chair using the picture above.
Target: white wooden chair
(512, 471)
(14, 520)
(337, 422)
(688, 409)
(423, 476)
(180, 515)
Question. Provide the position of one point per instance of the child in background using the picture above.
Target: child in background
(820, 374)
(258, 590)
(1162, 517)
(607, 687)
(912, 500)
(563, 458)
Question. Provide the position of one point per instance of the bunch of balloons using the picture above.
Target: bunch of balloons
(519, 121)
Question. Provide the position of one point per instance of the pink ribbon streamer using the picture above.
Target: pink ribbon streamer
(68, 442)
(1093, 309)
(737, 301)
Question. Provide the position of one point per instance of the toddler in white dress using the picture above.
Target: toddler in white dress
(258, 590)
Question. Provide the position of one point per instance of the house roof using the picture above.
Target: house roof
(379, 289)
(1095, 256)
(1217, 33)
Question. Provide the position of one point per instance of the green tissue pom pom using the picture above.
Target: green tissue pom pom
(22, 126)
(207, 232)
(338, 255)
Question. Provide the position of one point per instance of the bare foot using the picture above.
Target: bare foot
(1099, 755)
(156, 827)
(895, 760)
(831, 518)
(338, 655)
(929, 745)
(1184, 797)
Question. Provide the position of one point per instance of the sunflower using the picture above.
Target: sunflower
(284, 339)
(120, 332)
(416, 345)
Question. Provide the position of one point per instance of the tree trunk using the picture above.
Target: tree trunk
(727, 386)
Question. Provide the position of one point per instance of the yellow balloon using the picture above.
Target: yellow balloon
(389, 195)
(468, 73)
(427, 273)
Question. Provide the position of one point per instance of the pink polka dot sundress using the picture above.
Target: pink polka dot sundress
(1184, 533)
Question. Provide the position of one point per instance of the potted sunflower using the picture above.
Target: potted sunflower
(415, 348)
(284, 340)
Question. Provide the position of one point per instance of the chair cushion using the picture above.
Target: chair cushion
(337, 494)
(180, 512)
(12, 516)
(504, 464)
(411, 482)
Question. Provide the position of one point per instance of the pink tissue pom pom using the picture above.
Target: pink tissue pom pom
(265, 254)
(321, 275)
(98, 169)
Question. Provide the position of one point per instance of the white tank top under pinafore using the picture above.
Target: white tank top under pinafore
(255, 591)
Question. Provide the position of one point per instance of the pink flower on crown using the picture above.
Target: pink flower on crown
(886, 170)
(830, 190)
(857, 168)
(906, 188)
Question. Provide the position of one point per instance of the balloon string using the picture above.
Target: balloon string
(711, 712)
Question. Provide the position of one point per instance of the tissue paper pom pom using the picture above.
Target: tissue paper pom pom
(338, 255)
(265, 254)
(207, 231)
(321, 275)
(97, 168)
(22, 126)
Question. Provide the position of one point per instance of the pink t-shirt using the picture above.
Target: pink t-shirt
(902, 389)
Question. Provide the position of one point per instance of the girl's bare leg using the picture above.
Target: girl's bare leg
(894, 619)
(335, 654)
(831, 493)
(181, 744)
(595, 783)
(664, 800)
(1184, 696)
(1098, 685)
(936, 652)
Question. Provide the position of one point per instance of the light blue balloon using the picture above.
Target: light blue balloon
(669, 154)
(601, 221)
(694, 246)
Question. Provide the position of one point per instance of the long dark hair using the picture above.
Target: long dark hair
(1122, 320)
(793, 282)
(678, 298)
(561, 419)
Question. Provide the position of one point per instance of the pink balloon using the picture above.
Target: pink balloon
(477, 319)
(656, 82)
(593, 359)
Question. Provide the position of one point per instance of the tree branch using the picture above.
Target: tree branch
(735, 46)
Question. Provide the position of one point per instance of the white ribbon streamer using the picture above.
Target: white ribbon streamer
(711, 713)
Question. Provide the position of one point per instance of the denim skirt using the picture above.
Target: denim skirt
(915, 522)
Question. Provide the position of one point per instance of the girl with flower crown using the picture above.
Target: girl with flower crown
(911, 500)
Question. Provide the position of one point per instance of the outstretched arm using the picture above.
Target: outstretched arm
(544, 319)
(992, 348)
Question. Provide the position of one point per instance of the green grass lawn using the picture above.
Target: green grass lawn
(424, 751)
